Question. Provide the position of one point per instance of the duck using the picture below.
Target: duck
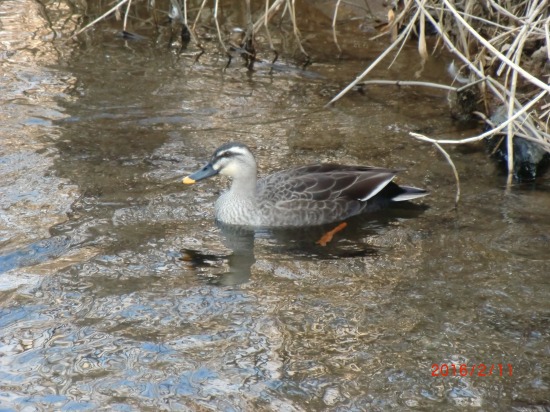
(308, 195)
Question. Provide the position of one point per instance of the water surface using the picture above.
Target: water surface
(119, 291)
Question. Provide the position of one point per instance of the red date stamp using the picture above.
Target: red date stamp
(480, 369)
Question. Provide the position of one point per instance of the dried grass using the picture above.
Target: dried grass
(487, 37)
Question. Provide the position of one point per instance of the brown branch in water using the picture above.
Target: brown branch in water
(518, 114)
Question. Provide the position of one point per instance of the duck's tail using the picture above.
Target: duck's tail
(409, 193)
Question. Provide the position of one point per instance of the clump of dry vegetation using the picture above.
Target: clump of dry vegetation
(504, 52)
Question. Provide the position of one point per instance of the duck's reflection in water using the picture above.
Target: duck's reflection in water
(240, 241)
(300, 242)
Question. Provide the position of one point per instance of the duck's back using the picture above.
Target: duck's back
(318, 194)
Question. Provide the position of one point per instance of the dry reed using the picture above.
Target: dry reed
(487, 37)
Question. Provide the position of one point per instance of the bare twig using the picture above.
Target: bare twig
(198, 15)
(412, 83)
(216, 4)
(263, 20)
(100, 18)
(126, 15)
(292, 9)
(518, 114)
(397, 41)
(266, 25)
(335, 16)
(447, 157)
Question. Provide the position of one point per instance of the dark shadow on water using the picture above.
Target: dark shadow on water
(299, 242)
(241, 242)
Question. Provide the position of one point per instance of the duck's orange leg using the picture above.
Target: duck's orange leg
(327, 237)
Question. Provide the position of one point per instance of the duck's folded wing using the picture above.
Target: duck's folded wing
(325, 183)
(316, 212)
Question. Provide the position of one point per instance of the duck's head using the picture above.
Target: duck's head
(232, 159)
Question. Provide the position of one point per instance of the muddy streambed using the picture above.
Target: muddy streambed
(99, 310)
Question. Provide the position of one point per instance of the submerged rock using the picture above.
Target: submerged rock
(530, 158)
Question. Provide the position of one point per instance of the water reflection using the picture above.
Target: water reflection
(294, 242)
(240, 241)
(35, 253)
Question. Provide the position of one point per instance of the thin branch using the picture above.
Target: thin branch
(292, 9)
(99, 18)
(198, 15)
(126, 15)
(334, 26)
(268, 14)
(412, 83)
(216, 4)
(498, 128)
(447, 157)
(401, 37)
(266, 25)
(185, 13)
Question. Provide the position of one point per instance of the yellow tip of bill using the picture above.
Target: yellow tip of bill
(188, 181)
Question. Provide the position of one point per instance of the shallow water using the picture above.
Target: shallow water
(119, 291)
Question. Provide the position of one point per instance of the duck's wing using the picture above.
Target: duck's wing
(318, 194)
(326, 182)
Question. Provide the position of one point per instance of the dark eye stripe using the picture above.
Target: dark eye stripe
(228, 154)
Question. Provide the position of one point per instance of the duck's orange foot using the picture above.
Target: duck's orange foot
(327, 237)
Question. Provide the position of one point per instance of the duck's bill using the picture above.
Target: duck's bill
(205, 172)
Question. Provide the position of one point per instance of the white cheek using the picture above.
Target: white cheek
(229, 170)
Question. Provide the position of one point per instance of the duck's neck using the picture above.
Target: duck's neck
(244, 187)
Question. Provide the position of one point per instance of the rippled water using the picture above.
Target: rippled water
(119, 291)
